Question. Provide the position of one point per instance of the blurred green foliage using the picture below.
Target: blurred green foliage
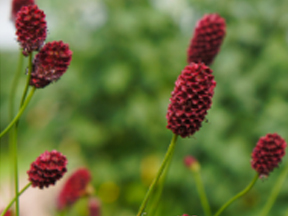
(108, 111)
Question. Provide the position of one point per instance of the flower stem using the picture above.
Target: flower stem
(26, 102)
(201, 192)
(275, 191)
(16, 176)
(242, 193)
(28, 80)
(156, 179)
(13, 200)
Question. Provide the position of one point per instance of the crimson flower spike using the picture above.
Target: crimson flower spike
(50, 63)
(47, 169)
(208, 36)
(31, 28)
(267, 154)
(190, 100)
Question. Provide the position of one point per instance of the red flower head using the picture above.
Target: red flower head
(207, 39)
(8, 213)
(31, 28)
(74, 188)
(191, 98)
(16, 6)
(47, 169)
(50, 63)
(268, 153)
(192, 163)
(94, 207)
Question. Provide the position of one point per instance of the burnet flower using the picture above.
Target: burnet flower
(190, 100)
(50, 63)
(207, 39)
(268, 153)
(74, 188)
(47, 169)
(17, 5)
(31, 28)
(94, 207)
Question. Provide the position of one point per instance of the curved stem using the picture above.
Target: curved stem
(275, 191)
(13, 200)
(19, 113)
(242, 193)
(201, 192)
(16, 176)
(156, 179)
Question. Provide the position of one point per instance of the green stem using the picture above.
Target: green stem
(19, 113)
(275, 191)
(201, 192)
(242, 193)
(160, 186)
(27, 81)
(16, 176)
(13, 200)
(156, 179)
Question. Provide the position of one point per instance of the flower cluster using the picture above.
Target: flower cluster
(207, 39)
(31, 28)
(50, 63)
(94, 207)
(191, 98)
(268, 153)
(74, 188)
(47, 169)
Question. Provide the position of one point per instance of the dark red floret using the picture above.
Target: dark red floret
(31, 28)
(50, 63)
(268, 154)
(94, 207)
(74, 188)
(190, 100)
(207, 39)
(17, 5)
(47, 169)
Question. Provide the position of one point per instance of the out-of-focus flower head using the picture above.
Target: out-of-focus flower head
(268, 154)
(192, 163)
(31, 28)
(207, 39)
(190, 100)
(50, 63)
(17, 5)
(74, 188)
(8, 213)
(94, 206)
(47, 169)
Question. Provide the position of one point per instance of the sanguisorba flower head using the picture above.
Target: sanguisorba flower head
(8, 213)
(47, 169)
(94, 207)
(207, 39)
(74, 188)
(268, 153)
(17, 5)
(31, 28)
(50, 63)
(190, 100)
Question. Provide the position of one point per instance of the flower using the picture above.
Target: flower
(94, 207)
(16, 6)
(47, 169)
(31, 28)
(268, 153)
(191, 98)
(192, 163)
(74, 188)
(50, 63)
(8, 213)
(207, 39)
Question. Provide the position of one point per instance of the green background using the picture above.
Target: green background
(108, 111)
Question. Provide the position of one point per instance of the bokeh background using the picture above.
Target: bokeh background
(107, 112)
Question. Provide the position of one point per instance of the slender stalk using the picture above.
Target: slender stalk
(156, 179)
(28, 80)
(242, 193)
(16, 176)
(19, 113)
(13, 200)
(160, 186)
(201, 192)
(275, 191)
